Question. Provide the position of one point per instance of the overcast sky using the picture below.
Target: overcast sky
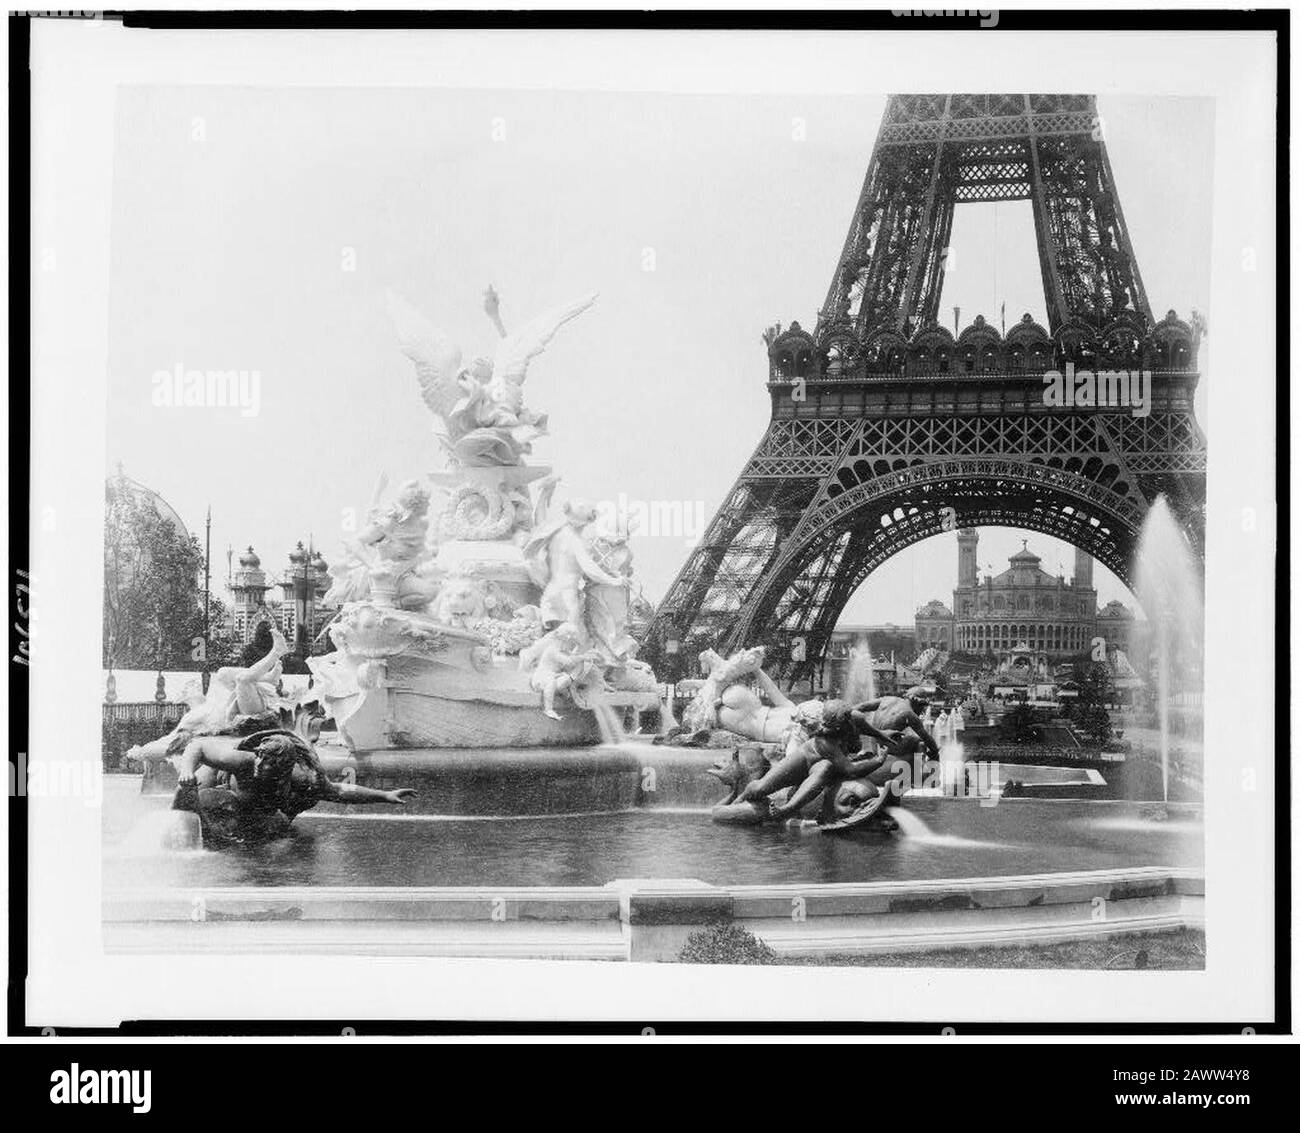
(257, 229)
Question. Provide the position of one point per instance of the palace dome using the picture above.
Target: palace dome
(934, 609)
(250, 559)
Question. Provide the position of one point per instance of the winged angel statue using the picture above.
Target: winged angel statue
(481, 406)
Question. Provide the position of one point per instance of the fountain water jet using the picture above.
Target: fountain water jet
(909, 824)
(860, 684)
(1168, 586)
(952, 755)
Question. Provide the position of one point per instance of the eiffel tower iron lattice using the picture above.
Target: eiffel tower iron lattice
(887, 429)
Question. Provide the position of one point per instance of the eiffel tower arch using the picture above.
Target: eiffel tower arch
(886, 428)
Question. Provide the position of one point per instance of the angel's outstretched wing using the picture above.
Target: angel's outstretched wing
(381, 485)
(520, 348)
(436, 357)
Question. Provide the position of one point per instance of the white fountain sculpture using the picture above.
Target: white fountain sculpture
(505, 623)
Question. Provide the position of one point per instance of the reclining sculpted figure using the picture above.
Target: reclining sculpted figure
(739, 696)
(238, 701)
(249, 790)
(821, 763)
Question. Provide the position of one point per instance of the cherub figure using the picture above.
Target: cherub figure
(391, 552)
(397, 532)
(562, 665)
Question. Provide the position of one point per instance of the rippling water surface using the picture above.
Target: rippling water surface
(385, 846)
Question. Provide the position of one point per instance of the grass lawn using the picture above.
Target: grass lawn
(1167, 951)
(1181, 950)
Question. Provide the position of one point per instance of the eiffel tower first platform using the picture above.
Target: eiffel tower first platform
(887, 429)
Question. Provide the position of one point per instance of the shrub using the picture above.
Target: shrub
(725, 944)
(1020, 725)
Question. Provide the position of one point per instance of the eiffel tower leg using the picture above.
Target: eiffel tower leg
(737, 550)
(902, 431)
(1057, 311)
(1127, 261)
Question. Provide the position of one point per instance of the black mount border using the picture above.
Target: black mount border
(1169, 21)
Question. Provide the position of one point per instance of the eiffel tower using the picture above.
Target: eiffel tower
(887, 429)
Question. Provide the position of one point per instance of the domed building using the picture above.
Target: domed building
(934, 625)
(1115, 623)
(1023, 609)
(121, 496)
(153, 576)
(248, 609)
(303, 585)
(121, 487)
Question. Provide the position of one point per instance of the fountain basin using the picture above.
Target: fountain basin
(591, 833)
(563, 853)
(491, 707)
